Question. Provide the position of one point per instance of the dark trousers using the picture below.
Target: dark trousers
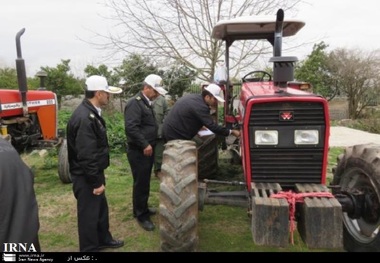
(92, 212)
(158, 151)
(141, 167)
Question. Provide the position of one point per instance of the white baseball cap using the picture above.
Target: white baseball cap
(95, 82)
(215, 91)
(155, 82)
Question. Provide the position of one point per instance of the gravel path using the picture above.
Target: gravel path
(343, 136)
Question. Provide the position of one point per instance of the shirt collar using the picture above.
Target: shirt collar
(99, 110)
(149, 101)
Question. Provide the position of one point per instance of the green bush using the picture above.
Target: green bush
(115, 131)
(115, 127)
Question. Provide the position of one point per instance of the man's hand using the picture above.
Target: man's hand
(99, 190)
(148, 151)
(235, 133)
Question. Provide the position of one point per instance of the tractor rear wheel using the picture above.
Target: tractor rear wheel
(207, 156)
(358, 170)
(179, 197)
(63, 164)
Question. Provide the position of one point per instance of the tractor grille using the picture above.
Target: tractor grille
(286, 166)
(286, 163)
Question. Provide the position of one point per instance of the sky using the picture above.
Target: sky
(59, 29)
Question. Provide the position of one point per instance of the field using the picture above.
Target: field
(221, 228)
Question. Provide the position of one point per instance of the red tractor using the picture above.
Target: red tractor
(283, 150)
(29, 119)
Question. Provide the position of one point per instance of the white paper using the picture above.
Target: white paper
(205, 132)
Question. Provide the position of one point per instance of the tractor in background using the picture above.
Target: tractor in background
(29, 119)
(283, 150)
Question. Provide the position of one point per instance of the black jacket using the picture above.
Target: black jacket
(140, 124)
(188, 115)
(19, 221)
(87, 144)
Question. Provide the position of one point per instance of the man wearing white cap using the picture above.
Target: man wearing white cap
(141, 132)
(191, 112)
(88, 155)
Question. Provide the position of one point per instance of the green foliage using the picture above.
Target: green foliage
(102, 70)
(133, 71)
(8, 78)
(194, 88)
(50, 161)
(177, 80)
(115, 131)
(61, 82)
(315, 71)
(63, 118)
(115, 127)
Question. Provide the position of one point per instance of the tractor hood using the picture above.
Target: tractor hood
(264, 89)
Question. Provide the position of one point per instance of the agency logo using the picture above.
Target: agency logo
(9, 257)
(19, 247)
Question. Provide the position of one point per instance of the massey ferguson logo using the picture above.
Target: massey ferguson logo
(286, 116)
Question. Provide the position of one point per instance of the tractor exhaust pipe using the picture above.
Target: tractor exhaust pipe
(283, 67)
(21, 73)
(277, 49)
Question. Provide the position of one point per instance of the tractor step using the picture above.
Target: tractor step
(320, 218)
(270, 216)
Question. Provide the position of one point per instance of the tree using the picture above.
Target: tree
(61, 82)
(358, 76)
(314, 70)
(102, 70)
(179, 31)
(8, 78)
(177, 80)
(133, 71)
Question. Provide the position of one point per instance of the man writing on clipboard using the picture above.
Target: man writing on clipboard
(192, 112)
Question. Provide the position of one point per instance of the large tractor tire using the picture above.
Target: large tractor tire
(63, 164)
(358, 170)
(179, 197)
(207, 156)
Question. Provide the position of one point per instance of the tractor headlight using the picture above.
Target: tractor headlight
(305, 137)
(266, 137)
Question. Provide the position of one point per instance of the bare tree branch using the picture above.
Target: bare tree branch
(179, 31)
(358, 76)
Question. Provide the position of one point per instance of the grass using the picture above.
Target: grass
(221, 228)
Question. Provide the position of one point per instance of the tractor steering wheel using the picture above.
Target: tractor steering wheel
(258, 75)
